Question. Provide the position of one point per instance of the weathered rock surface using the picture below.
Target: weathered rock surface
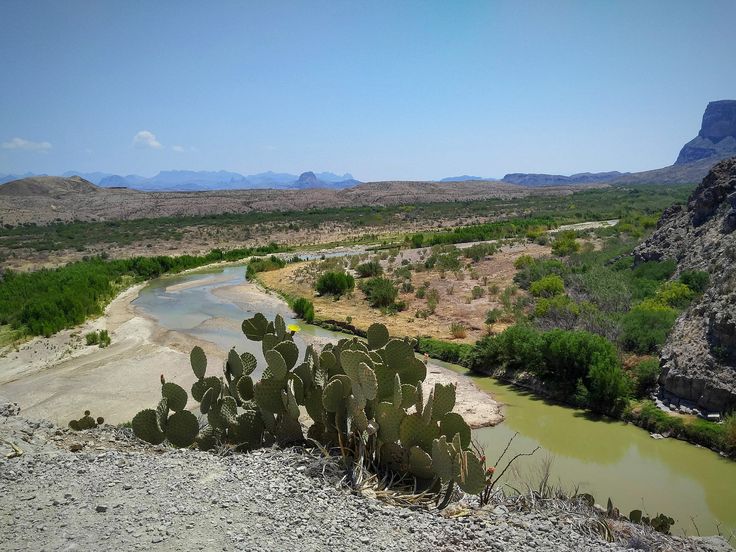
(699, 358)
(116, 493)
(717, 136)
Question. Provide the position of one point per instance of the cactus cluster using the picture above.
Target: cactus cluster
(85, 422)
(364, 397)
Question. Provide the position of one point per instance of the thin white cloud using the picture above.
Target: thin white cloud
(146, 139)
(183, 149)
(27, 145)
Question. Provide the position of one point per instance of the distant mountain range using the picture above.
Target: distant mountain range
(464, 178)
(715, 141)
(191, 181)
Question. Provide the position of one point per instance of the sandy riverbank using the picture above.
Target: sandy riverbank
(58, 378)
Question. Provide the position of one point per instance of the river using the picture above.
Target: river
(603, 457)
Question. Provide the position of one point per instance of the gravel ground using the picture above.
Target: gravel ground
(103, 489)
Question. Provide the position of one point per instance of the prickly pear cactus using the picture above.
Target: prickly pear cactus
(365, 399)
(85, 422)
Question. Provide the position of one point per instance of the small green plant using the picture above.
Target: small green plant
(100, 338)
(369, 269)
(548, 286)
(85, 422)
(304, 309)
(334, 283)
(458, 330)
(421, 292)
(380, 292)
(433, 299)
(477, 292)
(565, 244)
(493, 315)
(696, 280)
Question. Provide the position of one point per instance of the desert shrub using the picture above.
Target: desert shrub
(565, 244)
(479, 251)
(568, 355)
(433, 299)
(549, 286)
(729, 432)
(101, 338)
(458, 330)
(607, 385)
(105, 339)
(523, 261)
(493, 315)
(92, 338)
(417, 240)
(646, 326)
(457, 353)
(304, 309)
(538, 269)
(518, 347)
(602, 285)
(380, 292)
(477, 292)
(264, 264)
(646, 373)
(369, 269)
(696, 280)
(403, 272)
(421, 293)
(674, 294)
(334, 283)
(407, 286)
(555, 306)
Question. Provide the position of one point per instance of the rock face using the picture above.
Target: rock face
(717, 136)
(699, 358)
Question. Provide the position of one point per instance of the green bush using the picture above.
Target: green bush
(258, 264)
(477, 292)
(696, 280)
(729, 432)
(479, 251)
(646, 373)
(417, 240)
(334, 283)
(565, 244)
(569, 355)
(559, 306)
(371, 268)
(493, 315)
(533, 270)
(645, 327)
(549, 286)
(518, 347)
(607, 385)
(92, 338)
(380, 292)
(674, 294)
(304, 309)
(457, 353)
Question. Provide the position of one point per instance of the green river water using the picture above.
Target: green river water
(603, 457)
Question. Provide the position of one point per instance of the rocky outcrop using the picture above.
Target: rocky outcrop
(699, 358)
(717, 136)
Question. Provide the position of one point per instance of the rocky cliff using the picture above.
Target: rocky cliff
(699, 358)
(717, 136)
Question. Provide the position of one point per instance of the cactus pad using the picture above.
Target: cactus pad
(389, 420)
(198, 360)
(289, 352)
(377, 336)
(332, 396)
(249, 363)
(245, 388)
(472, 477)
(208, 399)
(453, 424)
(392, 456)
(182, 429)
(420, 463)
(145, 426)
(176, 397)
(443, 460)
(444, 400)
(415, 432)
(200, 386)
(276, 366)
(248, 429)
(234, 365)
(267, 393)
(408, 395)
(255, 328)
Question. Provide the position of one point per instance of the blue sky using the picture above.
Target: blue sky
(405, 90)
